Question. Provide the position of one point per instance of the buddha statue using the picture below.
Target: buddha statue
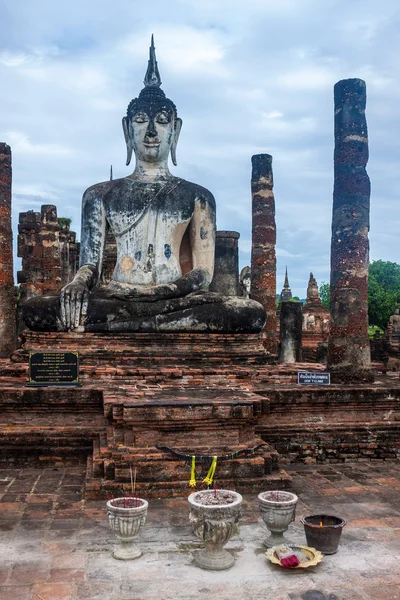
(164, 229)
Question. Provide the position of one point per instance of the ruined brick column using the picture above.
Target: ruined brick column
(7, 293)
(39, 248)
(69, 254)
(348, 348)
(30, 250)
(50, 238)
(226, 266)
(263, 256)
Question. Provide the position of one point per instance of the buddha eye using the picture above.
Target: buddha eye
(163, 117)
(140, 118)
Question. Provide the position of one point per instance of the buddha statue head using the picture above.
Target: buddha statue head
(151, 126)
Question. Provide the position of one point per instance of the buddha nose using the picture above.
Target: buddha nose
(151, 130)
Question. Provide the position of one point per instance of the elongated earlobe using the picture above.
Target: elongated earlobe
(178, 127)
(129, 149)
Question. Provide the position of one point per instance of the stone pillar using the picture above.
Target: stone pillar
(226, 265)
(290, 332)
(263, 256)
(349, 348)
(7, 292)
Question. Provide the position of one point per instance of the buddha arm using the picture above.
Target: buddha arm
(93, 232)
(74, 296)
(202, 241)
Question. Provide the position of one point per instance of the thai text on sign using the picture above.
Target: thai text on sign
(313, 378)
(53, 368)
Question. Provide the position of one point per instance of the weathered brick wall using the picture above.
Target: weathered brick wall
(49, 253)
(332, 424)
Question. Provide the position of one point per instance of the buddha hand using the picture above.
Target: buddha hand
(74, 298)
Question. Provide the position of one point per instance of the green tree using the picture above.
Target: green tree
(383, 291)
(64, 221)
(325, 294)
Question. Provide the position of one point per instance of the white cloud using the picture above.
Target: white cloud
(21, 143)
(247, 78)
(13, 59)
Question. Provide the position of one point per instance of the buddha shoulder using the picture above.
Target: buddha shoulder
(198, 193)
(100, 190)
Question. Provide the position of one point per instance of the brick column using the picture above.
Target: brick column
(7, 292)
(69, 254)
(263, 256)
(30, 250)
(50, 239)
(39, 248)
(349, 348)
(226, 266)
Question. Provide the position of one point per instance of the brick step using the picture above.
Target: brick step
(36, 438)
(124, 456)
(58, 422)
(102, 489)
(334, 441)
(286, 401)
(177, 470)
(42, 455)
(54, 399)
(150, 348)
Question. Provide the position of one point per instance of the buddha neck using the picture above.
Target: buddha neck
(146, 171)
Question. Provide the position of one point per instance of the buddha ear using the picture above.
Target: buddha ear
(175, 138)
(128, 140)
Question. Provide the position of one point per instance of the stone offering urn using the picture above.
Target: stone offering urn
(214, 516)
(126, 516)
(278, 510)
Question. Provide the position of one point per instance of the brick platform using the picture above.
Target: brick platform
(197, 395)
(187, 392)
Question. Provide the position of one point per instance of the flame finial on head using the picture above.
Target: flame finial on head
(152, 77)
(151, 100)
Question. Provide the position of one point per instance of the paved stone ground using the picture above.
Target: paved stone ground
(56, 546)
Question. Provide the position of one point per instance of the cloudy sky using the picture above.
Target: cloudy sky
(247, 77)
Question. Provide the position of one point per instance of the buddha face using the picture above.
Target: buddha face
(151, 132)
(152, 135)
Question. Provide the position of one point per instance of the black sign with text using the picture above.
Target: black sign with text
(53, 368)
(314, 378)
